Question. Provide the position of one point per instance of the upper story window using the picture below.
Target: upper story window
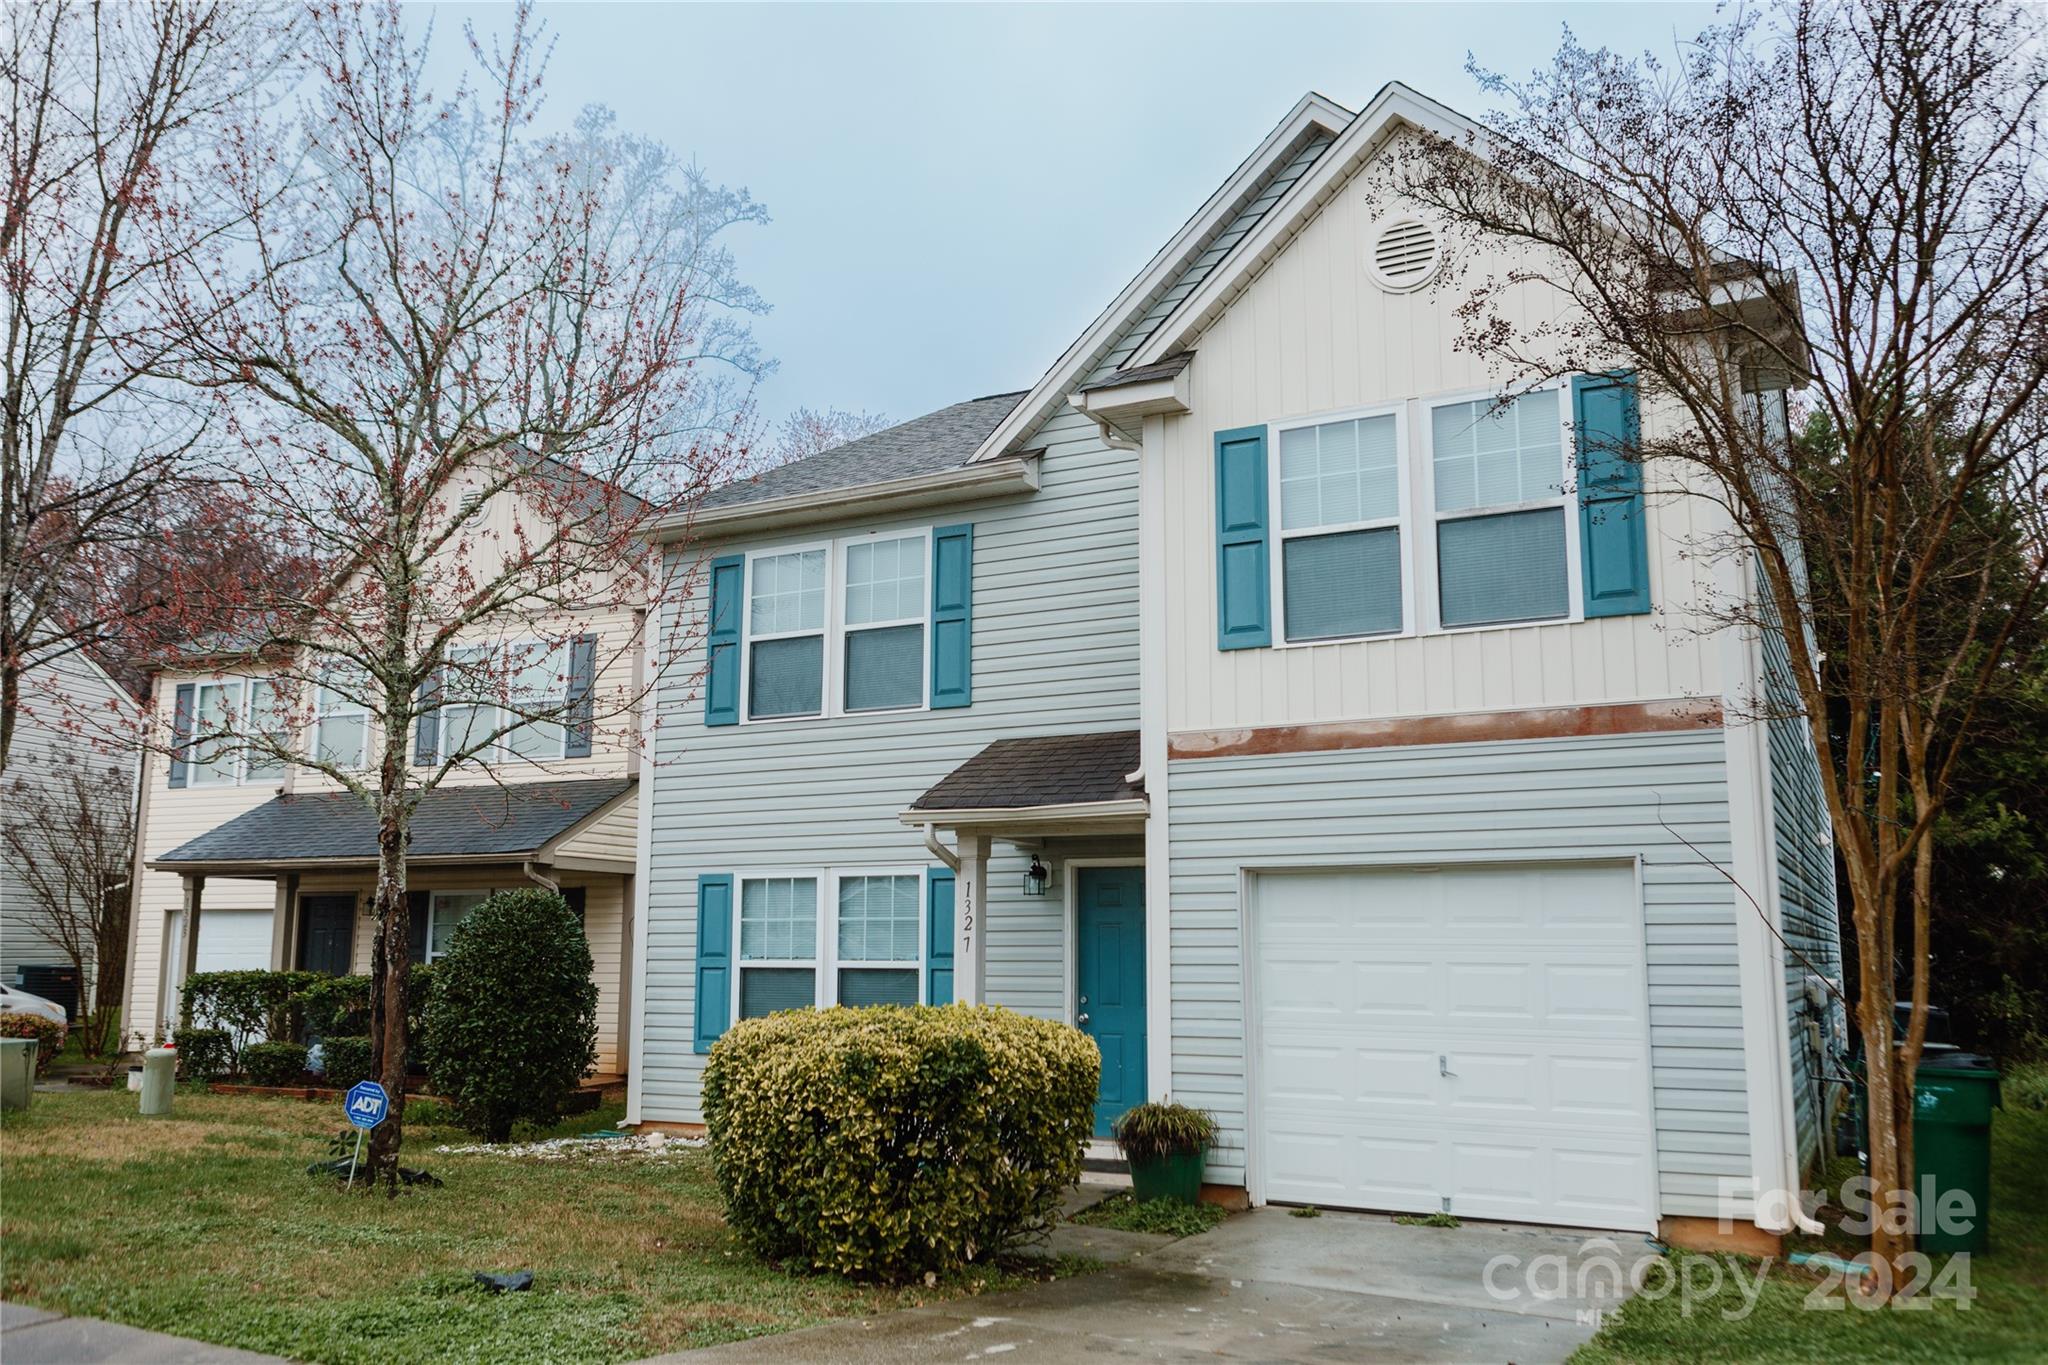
(228, 715)
(484, 687)
(1341, 497)
(1500, 507)
(836, 629)
(342, 728)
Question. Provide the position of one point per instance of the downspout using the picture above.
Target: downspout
(1111, 437)
(938, 849)
(533, 875)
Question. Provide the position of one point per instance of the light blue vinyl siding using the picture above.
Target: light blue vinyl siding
(1600, 798)
(1055, 626)
(1806, 882)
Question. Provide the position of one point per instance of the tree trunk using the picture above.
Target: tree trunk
(110, 952)
(1889, 1109)
(10, 698)
(390, 962)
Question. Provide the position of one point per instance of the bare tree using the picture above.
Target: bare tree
(108, 107)
(70, 836)
(467, 377)
(808, 431)
(1850, 198)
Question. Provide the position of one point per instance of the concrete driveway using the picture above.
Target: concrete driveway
(1263, 1286)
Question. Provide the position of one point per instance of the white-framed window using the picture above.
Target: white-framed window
(838, 628)
(1340, 491)
(778, 938)
(445, 910)
(827, 937)
(342, 728)
(785, 662)
(268, 718)
(529, 676)
(215, 759)
(1503, 536)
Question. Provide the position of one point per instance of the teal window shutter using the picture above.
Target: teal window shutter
(579, 722)
(181, 731)
(938, 954)
(1614, 550)
(714, 957)
(952, 615)
(722, 641)
(1244, 595)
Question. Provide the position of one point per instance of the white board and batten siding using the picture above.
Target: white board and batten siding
(1055, 651)
(1635, 801)
(1314, 335)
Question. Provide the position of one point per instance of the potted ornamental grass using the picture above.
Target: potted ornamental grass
(1165, 1144)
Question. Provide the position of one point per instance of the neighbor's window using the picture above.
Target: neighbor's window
(786, 634)
(1340, 528)
(885, 618)
(342, 736)
(1500, 511)
(539, 684)
(879, 935)
(778, 944)
(446, 909)
(215, 758)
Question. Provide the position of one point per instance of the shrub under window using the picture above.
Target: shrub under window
(888, 1143)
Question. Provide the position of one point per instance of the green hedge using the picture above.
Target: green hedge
(336, 1005)
(891, 1142)
(275, 1063)
(347, 1061)
(48, 1033)
(204, 1054)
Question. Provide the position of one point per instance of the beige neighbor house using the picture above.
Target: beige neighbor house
(249, 863)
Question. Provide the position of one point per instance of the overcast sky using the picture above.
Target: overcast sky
(958, 190)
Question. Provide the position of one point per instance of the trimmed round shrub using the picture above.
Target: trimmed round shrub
(891, 1142)
(204, 1054)
(275, 1063)
(512, 1016)
(347, 1060)
(48, 1033)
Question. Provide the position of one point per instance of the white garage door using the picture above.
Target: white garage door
(1469, 1034)
(233, 940)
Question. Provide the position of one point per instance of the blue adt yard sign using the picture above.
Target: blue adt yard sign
(367, 1104)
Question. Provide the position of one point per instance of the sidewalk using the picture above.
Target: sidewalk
(36, 1336)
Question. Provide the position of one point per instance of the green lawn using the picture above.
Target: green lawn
(205, 1224)
(2008, 1320)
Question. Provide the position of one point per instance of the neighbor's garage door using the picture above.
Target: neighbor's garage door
(233, 940)
(1470, 1033)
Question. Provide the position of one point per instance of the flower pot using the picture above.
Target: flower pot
(1168, 1177)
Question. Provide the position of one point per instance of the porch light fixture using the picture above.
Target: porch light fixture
(1036, 877)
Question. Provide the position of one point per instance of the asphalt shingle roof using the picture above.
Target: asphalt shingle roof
(449, 822)
(1158, 369)
(1053, 770)
(923, 445)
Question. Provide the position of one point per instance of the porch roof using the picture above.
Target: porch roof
(1068, 777)
(469, 823)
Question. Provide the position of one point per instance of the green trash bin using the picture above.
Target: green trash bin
(1953, 1096)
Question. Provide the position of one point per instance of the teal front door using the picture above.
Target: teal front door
(1109, 982)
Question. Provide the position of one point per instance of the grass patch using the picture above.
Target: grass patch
(2007, 1320)
(205, 1224)
(1434, 1220)
(1167, 1216)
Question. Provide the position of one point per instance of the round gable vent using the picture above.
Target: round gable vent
(1404, 253)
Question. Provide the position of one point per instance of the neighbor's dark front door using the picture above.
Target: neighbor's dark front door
(1109, 982)
(330, 927)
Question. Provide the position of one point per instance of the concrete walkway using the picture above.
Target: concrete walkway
(1263, 1286)
(36, 1336)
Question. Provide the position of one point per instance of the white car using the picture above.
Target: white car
(15, 1000)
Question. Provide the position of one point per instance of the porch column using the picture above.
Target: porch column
(195, 889)
(282, 953)
(970, 933)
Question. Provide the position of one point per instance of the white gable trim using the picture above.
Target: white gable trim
(1392, 108)
(1050, 393)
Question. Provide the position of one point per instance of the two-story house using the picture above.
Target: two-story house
(1350, 754)
(249, 862)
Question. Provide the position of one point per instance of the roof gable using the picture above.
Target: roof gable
(1208, 238)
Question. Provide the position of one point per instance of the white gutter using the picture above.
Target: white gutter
(982, 817)
(1012, 474)
(938, 849)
